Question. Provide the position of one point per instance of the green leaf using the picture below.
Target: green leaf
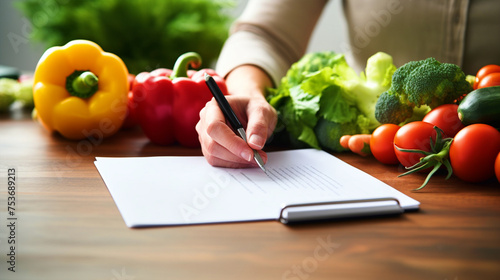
(334, 107)
(305, 105)
(296, 126)
(308, 136)
(146, 34)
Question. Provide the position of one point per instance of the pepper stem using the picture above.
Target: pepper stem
(82, 84)
(181, 64)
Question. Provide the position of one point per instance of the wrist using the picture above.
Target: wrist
(248, 80)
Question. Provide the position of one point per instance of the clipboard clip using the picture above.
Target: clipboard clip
(296, 213)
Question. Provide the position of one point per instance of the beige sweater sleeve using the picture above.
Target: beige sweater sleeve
(274, 34)
(271, 35)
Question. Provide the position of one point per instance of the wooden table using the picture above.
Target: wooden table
(68, 226)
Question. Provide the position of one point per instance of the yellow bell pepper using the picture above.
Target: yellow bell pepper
(81, 91)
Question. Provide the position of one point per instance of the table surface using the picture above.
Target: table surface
(68, 226)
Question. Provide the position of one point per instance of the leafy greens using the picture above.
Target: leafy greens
(322, 98)
(145, 34)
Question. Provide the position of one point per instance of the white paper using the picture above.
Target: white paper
(154, 191)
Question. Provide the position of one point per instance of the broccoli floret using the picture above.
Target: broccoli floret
(390, 107)
(419, 84)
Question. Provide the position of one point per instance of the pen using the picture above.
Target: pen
(230, 115)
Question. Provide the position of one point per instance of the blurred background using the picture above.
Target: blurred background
(146, 34)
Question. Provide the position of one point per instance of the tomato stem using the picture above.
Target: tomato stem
(439, 156)
(436, 167)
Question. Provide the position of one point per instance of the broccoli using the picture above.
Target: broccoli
(419, 86)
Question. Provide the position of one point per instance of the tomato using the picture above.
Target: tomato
(382, 143)
(446, 118)
(497, 167)
(490, 80)
(485, 70)
(473, 152)
(415, 136)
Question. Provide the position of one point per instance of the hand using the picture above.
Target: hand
(220, 145)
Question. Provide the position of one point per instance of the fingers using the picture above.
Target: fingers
(220, 145)
(226, 160)
(262, 119)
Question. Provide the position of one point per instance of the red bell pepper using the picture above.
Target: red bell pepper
(168, 102)
(130, 119)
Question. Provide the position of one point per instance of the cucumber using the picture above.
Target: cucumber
(481, 106)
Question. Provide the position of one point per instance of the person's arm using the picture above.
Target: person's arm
(265, 41)
(270, 35)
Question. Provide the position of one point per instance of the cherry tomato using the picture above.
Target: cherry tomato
(485, 70)
(382, 143)
(497, 167)
(490, 80)
(473, 152)
(415, 136)
(446, 118)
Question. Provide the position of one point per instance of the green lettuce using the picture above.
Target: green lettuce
(322, 98)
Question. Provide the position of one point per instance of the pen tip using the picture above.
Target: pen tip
(207, 77)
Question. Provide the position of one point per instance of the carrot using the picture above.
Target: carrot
(344, 141)
(360, 144)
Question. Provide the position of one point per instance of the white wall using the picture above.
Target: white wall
(330, 32)
(18, 50)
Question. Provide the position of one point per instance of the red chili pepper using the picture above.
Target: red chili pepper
(168, 102)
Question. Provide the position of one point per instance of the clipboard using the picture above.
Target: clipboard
(307, 212)
(300, 185)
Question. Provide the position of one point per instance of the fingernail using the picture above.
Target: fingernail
(246, 155)
(257, 141)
